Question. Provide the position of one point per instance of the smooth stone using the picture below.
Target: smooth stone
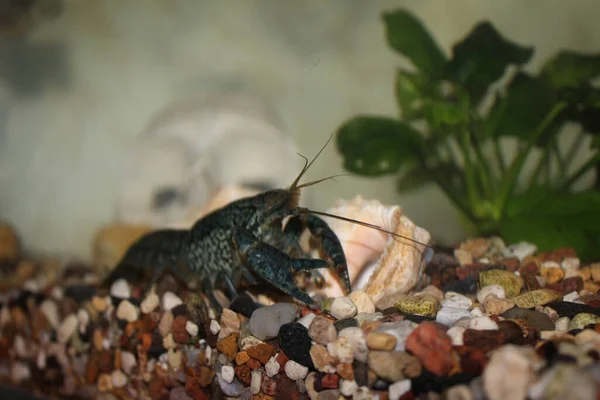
(120, 289)
(562, 324)
(521, 250)
(358, 342)
(401, 330)
(449, 315)
(390, 365)
(539, 297)
(399, 389)
(468, 285)
(367, 317)
(568, 309)
(507, 374)
(581, 320)
(307, 320)
(233, 389)
(343, 307)
(322, 331)
(456, 300)
(362, 301)
(345, 323)
(456, 334)
(483, 323)
(294, 341)
(495, 305)
(265, 322)
(511, 283)
(490, 289)
(425, 305)
(535, 319)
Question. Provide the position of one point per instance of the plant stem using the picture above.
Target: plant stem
(581, 171)
(499, 155)
(485, 173)
(575, 146)
(508, 181)
(469, 171)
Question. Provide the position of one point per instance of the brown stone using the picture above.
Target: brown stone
(206, 376)
(381, 341)
(573, 284)
(241, 358)
(345, 371)
(261, 352)
(180, 334)
(330, 381)
(511, 263)
(229, 346)
(472, 359)
(243, 373)
(485, 340)
(433, 347)
(268, 386)
(320, 357)
(253, 364)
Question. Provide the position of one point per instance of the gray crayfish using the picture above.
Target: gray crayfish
(247, 238)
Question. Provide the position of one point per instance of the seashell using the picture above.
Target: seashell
(378, 263)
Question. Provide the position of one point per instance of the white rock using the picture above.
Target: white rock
(507, 374)
(127, 311)
(40, 360)
(572, 297)
(449, 315)
(214, 327)
(50, 310)
(571, 265)
(67, 328)
(397, 389)
(118, 378)
(227, 372)
(490, 289)
(456, 300)
(191, 328)
(521, 250)
(170, 300)
(295, 371)
(343, 307)
(19, 372)
(120, 289)
(307, 319)
(150, 303)
(20, 347)
(272, 367)
(401, 330)
(83, 317)
(477, 311)
(562, 324)
(341, 349)
(266, 321)
(174, 358)
(255, 381)
(128, 361)
(549, 264)
(348, 388)
(358, 342)
(484, 323)
(362, 301)
(57, 293)
(456, 334)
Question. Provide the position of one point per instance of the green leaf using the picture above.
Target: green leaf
(375, 146)
(407, 35)
(527, 102)
(569, 69)
(411, 88)
(551, 219)
(444, 112)
(482, 57)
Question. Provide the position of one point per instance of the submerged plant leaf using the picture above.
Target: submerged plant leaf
(411, 88)
(552, 219)
(407, 35)
(444, 112)
(527, 102)
(569, 69)
(482, 57)
(376, 146)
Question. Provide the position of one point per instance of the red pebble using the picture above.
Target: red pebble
(268, 386)
(430, 344)
(253, 364)
(281, 359)
(243, 374)
(330, 381)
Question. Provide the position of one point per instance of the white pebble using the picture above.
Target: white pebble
(150, 303)
(341, 349)
(521, 250)
(50, 311)
(508, 373)
(357, 340)
(449, 315)
(128, 361)
(67, 328)
(348, 388)
(255, 381)
(550, 264)
(362, 301)
(456, 333)
(490, 289)
(118, 378)
(191, 328)
(572, 297)
(20, 347)
(571, 263)
(307, 319)
(272, 367)
(343, 307)
(295, 371)
(562, 324)
(170, 301)
(456, 300)
(40, 360)
(120, 289)
(477, 311)
(214, 327)
(397, 389)
(84, 318)
(127, 311)
(266, 321)
(19, 372)
(484, 323)
(57, 293)
(227, 373)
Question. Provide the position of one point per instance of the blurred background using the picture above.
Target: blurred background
(111, 110)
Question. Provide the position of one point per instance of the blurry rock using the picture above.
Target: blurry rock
(111, 242)
(9, 243)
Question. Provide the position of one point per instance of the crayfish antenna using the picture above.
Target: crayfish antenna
(307, 164)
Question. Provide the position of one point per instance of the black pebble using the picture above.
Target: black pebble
(80, 293)
(568, 309)
(380, 385)
(345, 323)
(429, 382)
(243, 304)
(361, 373)
(294, 341)
(417, 318)
(495, 266)
(463, 286)
(180, 310)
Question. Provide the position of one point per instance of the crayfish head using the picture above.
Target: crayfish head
(278, 203)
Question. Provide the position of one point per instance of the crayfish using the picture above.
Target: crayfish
(246, 238)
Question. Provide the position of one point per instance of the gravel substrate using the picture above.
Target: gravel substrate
(489, 322)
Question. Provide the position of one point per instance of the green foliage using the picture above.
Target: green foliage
(459, 149)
